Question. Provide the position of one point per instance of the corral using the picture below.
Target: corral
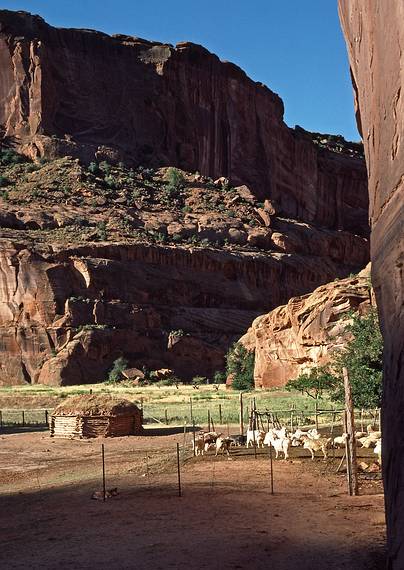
(226, 517)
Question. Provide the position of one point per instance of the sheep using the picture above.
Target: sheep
(340, 440)
(255, 436)
(360, 434)
(210, 436)
(316, 444)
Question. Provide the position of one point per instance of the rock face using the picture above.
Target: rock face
(374, 33)
(87, 94)
(306, 332)
(68, 313)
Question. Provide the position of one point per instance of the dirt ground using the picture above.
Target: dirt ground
(225, 519)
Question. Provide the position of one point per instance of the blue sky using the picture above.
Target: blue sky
(295, 46)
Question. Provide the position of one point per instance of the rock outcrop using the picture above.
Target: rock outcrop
(374, 33)
(86, 94)
(110, 258)
(306, 331)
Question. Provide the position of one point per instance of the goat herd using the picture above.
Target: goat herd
(281, 440)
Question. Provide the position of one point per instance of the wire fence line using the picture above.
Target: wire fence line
(213, 415)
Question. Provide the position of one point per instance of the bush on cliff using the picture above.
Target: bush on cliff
(119, 365)
(240, 363)
(175, 180)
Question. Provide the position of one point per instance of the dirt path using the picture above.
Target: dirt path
(226, 519)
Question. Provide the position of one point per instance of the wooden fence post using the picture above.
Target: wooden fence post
(209, 420)
(103, 472)
(272, 471)
(220, 414)
(191, 410)
(46, 417)
(193, 435)
(316, 412)
(166, 416)
(23, 418)
(350, 430)
(178, 470)
(241, 414)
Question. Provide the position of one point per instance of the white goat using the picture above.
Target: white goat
(340, 440)
(279, 441)
(256, 436)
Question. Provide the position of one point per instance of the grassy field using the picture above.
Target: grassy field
(172, 405)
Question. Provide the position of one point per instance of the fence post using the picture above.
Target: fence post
(316, 412)
(166, 415)
(103, 472)
(209, 420)
(193, 435)
(272, 471)
(23, 418)
(1, 419)
(191, 410)
(220, 414)
(241, 414)
(46, 417)
(350, 430)
(178, 470)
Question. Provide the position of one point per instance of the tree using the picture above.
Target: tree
(119, 365)
(240, 363)
(175, 180)
(313, 383)
(363, 358)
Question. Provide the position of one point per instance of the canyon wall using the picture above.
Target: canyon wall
(86, 94)
(374, 34)
(68, 313)
(307, 331)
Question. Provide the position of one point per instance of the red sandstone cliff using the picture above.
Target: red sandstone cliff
(306, 331)
(87, 94)
(374, 33)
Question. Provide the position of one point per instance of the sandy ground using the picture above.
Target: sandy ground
(226, 518)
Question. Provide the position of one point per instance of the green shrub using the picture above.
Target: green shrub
(105, 167)
(363, 358)
(175, 180)
(93, 168)
(219, 377)
(8, 157)
(111, 181)
(4, 194)
(313, 383)
(102, 231)
(240, 363)
(115, 374)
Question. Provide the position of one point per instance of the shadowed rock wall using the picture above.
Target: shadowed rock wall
(87, 94)
(374, 34)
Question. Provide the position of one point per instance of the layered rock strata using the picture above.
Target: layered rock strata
(374, 34)
(307, 331)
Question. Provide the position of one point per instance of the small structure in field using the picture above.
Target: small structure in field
(91, 415)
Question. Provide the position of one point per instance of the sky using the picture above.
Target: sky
(295, 47)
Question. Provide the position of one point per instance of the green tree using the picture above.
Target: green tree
(175, 180)
(240, 363)
(119, 365)
(363, 358)
(313, 383)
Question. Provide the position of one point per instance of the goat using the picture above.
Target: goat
(316, 444)
(255, 436)
(280, 444)
(340, 440)
(223, 444)
(199, 446)
(378, 450)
